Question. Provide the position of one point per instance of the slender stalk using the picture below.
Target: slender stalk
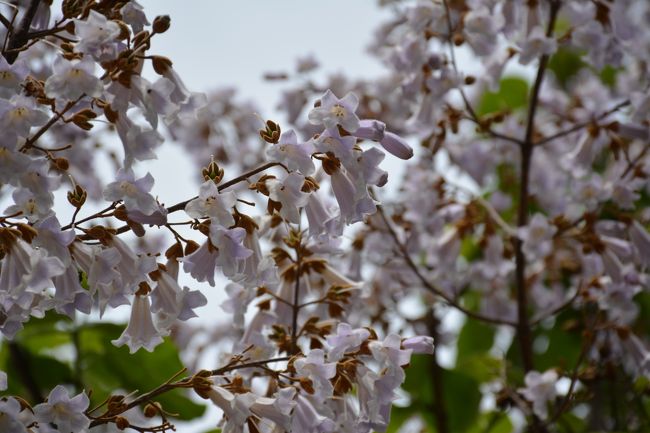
(524, 334)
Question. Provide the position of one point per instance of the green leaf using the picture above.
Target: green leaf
(475, 337)
(492, 422)
(106, 368)
(45, 371)
(461, 394)
(512, 94)
(565, 64)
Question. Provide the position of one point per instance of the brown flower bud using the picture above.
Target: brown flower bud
(190, 247)
(77, 197)
(150, 410)
(61, 163)
(213, 172)
(469, 80)
(161, 23)
(271, 133)
(121, 423)
(71, 8)
(161, 64)
(175, 251)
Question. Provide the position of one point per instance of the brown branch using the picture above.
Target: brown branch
(185, 382)
(582, 125)
(523, 326)
(20, 36)
(30, 141)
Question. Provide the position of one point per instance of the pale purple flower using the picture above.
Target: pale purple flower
(536, 45)
(396, 146)
(318, 371)
(236, 407)
(212, 204)
(370, 130)
(277, 409)
(641, 240)
(140, 332)
(229, 243)
(345, 340)
(306, 419)
(20, 114)
(202, 263)
(537, 237)
(289, 193)
(11, 419)
(134, 192)
(540, 390)
(419, 344)
(333, 112)
(296, 156)
(133, 14)
(72, 79)
(95, 33)
(11, 76)
(67, 413)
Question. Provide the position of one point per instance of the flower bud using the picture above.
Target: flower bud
(271, 134)
(150, 410)
(161, 23)
(161, 64)
(121, 423)
(77, 197)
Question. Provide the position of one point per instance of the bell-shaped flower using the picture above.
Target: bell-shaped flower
(31, 206)
(67, 413)
(306, 419)
(134, 192)
(536, 45)
(72, 79)
(320, 219)
(277, 409)
(190, 299)
(212, 204)
(11, 419)
(333, 112)
(139, 143)
(296, 156)
(537, 237)
(318, 371)
(540, 390)
(289, 193)
(95, 33)
(19, 114)
(345, 340)
(229, 243)
(153, 98)
(236, 407)
(133, 14)
(11, 76)
(202, 263)
(140, 332)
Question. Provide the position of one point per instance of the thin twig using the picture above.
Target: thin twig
(430, 286)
